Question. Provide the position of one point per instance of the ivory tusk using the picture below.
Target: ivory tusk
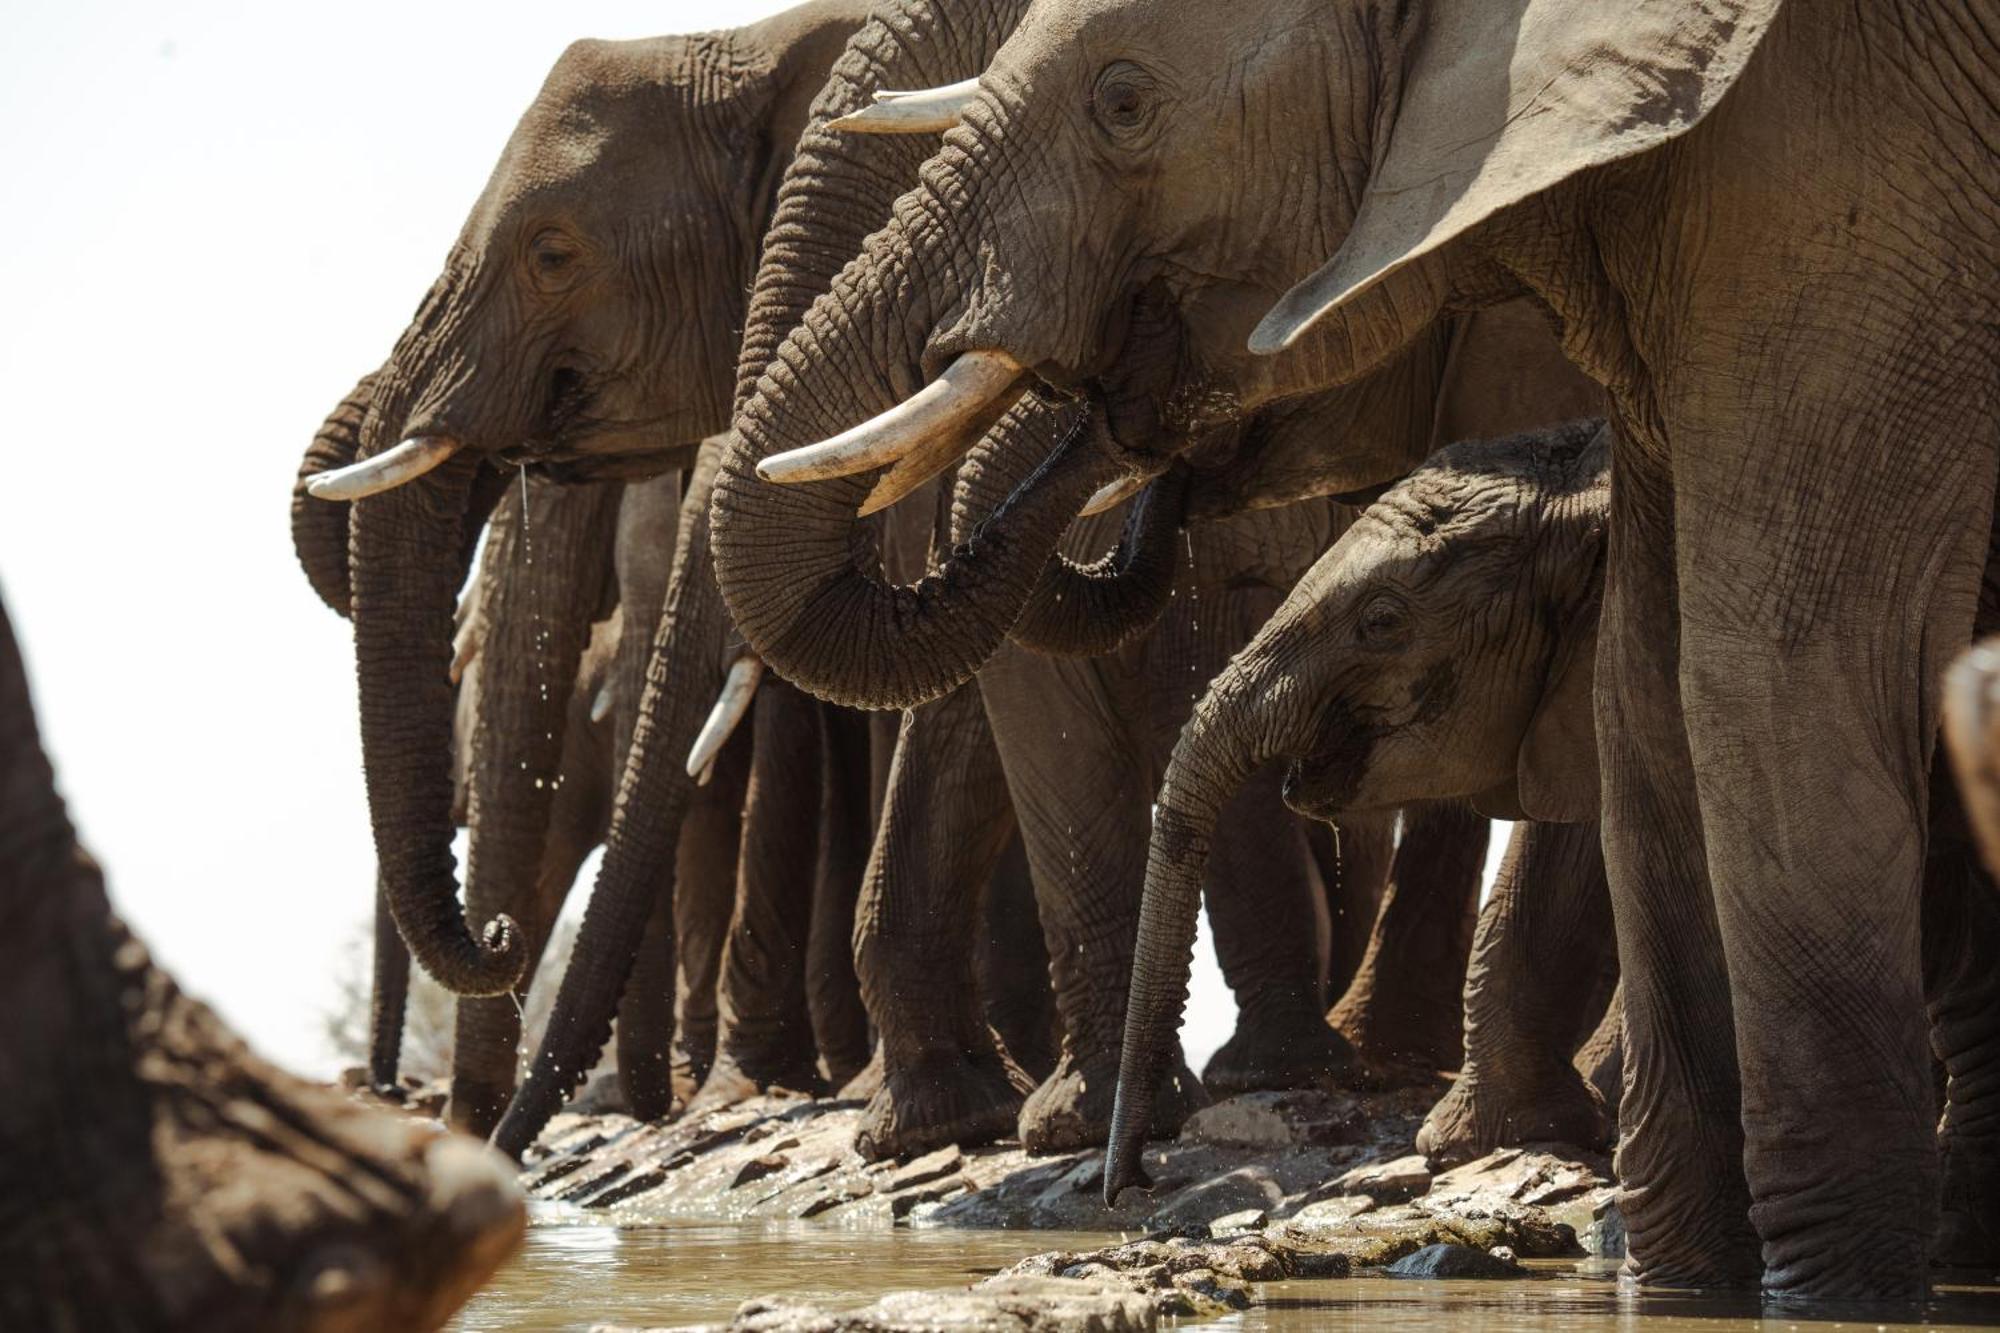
(385, 471)
(965, 391)
(600, 705)
(465, 645)
(1114, 493)
(731, 703)
(921, 111)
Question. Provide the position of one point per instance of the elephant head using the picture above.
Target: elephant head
(1129, 189)
(586, 322)
(1443, 647)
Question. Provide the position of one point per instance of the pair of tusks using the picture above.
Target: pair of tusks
(385, 471)
(731, 703)
(916, 439)
(924, 111)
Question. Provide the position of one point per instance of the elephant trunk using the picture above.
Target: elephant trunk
(319, 527)
(408, 562)
(388, 999)
(790, 558)
(1232, 733)
(638, 868)
(1087, 610)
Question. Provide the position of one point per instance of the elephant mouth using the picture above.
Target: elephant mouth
(1326, 783)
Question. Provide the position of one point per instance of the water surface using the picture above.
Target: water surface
(571, 1275)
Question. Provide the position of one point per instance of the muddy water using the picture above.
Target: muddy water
(573, 1275)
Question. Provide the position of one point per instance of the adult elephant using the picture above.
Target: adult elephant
(571, 322)
(1769, 663)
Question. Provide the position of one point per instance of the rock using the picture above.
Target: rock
(1187, 1275)
(931, 1166)
(1531, 1176)
(1248, 1219)
(905, 1202)
(1453, 1261)
(1395, 1181)
(851, 1192)
(1248, 1188)
(1604, 1238)
(757, 1168)
(1278, 1119)
(1329, 1214)
(600, 1096)
(997, 1305)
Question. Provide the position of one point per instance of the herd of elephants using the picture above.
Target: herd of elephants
(957, 485)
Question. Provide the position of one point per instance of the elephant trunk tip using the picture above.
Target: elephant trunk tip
(1122, 1167)
(497, 963)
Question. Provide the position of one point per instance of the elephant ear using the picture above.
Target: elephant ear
(1555, 771)
(1503, 99)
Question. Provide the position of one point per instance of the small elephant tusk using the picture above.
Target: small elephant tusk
(731, 703)
(385, 471)
(966, 391)
(465, 646)
(1114, 493)
(922, 111)
(600, 706)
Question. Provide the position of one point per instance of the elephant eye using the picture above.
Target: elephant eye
(1382, 621)
(551, 253)
(1123, 98)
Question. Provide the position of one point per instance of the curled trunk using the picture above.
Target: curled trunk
(319, 527)
(1223, 744)
(1086, 610)
(409, 559)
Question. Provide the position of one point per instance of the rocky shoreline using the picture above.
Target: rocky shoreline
(1259, 1188)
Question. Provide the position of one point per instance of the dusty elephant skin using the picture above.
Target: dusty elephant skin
(1455, 153)
(178, 1180)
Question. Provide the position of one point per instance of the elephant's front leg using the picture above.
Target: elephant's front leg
(1083, 792)
(766, 1036)
(704, 898)
(1680, 1170)
(945, 821)
(833, 994)
(1260, 904)
(1538, 956)
(1402, 1009)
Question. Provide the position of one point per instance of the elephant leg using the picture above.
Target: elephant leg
(1811, 715)
(944, 825)
(1260, 896)
(1083, 791)
(1537, 956)
(1402, 1010)
(1961, 943)
(1601, 1057)
(704, 896)
(388, 999)
(1680, 1148)
(1012, 962)
(1353, 862)
(833, 995)
(766, 1038)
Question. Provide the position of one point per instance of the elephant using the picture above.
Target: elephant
(144, 1128)
(570, 321)
(1766, 294)
(1441, 649)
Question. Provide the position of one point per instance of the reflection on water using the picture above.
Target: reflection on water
(573, 1274)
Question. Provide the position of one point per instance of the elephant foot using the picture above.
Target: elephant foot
(186, 1183)
(945, 1097)
(1072, 1108)
(866, 1083)
(735, 1080)
(1267, 1056)
(1481, 1114)
(1969, 1221)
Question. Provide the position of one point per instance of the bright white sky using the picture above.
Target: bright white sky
(218, 216)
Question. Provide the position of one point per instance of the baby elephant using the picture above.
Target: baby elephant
(1442, 648)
